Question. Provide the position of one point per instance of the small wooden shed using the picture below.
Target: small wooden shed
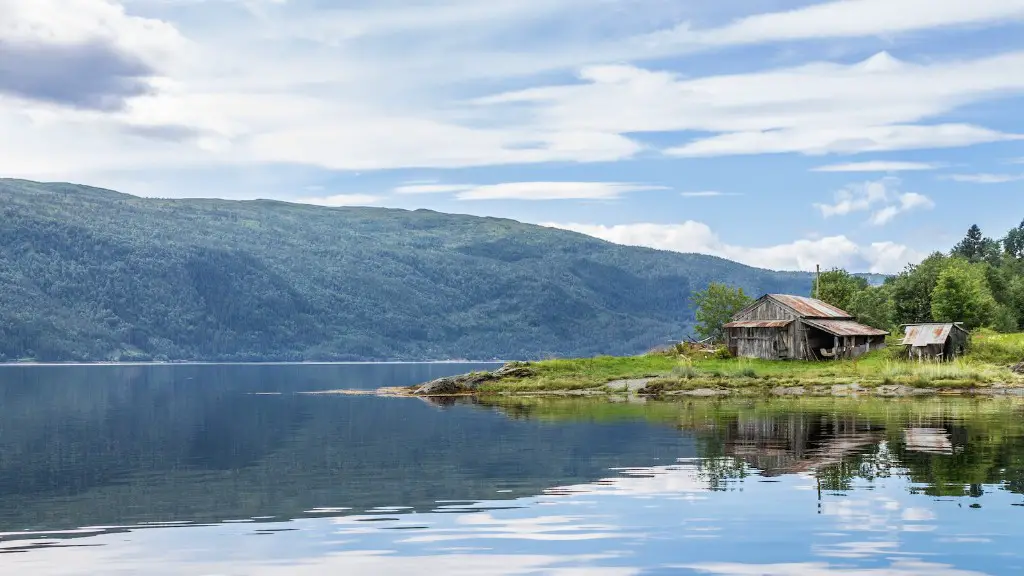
(940, 341)
(784, 327)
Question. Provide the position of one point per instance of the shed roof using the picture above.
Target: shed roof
(759, 324)
(809, 307)
(928, 334)
(845, 328)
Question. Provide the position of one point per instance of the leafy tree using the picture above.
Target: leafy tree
(716, 305)
(1004, 319)
(912, 290)
(962, 295)
(873, 306)
(838, 287)
(1013, 243)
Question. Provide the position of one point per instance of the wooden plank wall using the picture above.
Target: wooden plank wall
(757, 342)
(764, 311)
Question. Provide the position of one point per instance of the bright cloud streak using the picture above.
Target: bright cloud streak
(698, 238)
(554, 191)
(878, 166)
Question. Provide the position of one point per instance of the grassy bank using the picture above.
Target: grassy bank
(685, 370)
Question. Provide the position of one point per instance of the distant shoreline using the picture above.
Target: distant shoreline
(237, 363)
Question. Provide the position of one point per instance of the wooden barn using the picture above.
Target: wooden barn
(783, 327)
(943, 341)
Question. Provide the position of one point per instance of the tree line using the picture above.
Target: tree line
(979, 282)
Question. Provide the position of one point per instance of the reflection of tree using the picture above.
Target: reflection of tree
(951, 447)
(840, 449)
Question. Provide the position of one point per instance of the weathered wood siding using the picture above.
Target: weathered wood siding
(765, 310)
(765, 343)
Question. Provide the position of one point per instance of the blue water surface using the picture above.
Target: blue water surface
(206, 470)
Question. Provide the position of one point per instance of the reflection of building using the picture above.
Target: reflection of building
(782, 327)
(928, 440)
(795, 444)
(941, 341)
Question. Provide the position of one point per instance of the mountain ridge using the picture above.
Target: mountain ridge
(90, 274)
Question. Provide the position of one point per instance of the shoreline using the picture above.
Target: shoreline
(852, 390)
(706, 375)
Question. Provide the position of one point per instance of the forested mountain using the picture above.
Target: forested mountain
(89, 274)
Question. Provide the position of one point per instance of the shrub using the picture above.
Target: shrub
(685, 371)
(722, 353)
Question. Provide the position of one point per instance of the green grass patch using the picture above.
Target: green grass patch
(695, 370)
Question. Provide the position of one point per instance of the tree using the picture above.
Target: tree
(970, 247)
(1013, 243)
(838, 287)
(873, 306)
(912, 290)
(975, 247)
(716, 305)
(962, 295)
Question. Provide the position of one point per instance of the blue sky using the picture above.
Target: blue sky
(783, 134)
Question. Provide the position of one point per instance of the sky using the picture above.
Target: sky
(783, 134)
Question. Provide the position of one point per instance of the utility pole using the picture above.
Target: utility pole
(817, 280)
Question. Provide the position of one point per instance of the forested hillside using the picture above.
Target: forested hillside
(89, 274)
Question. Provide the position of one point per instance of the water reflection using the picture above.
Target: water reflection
(156, 471)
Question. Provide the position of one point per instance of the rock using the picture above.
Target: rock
(632, 386)
(514, 370)
(1018, 368)
(468, 383)
(902, 391)
(452, 385)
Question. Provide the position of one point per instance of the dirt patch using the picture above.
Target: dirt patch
(901, 391)
(631, 386)
(700, 393)
(789, 391)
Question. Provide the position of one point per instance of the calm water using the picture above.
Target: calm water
(232, 470)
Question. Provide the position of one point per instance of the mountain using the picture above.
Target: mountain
(88, 274)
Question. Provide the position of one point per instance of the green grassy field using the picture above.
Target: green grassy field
(988, 362)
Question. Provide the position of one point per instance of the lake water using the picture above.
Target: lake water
(233, 470)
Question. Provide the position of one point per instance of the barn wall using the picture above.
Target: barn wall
(797, 334)
(765, 343)
(765, 310)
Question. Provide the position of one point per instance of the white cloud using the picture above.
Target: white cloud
(554, 191)
(987, 178)
(409, 188)
(239, 90)
(842, 140)
(856, 198)
(707, 194)
(906, 567)
(81, 21)
(862, 107)
(697, 237)
(878, 166)
(339, 200)
(880, 195)
(850, 19)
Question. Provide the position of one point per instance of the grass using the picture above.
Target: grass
(987, 363)
(585, 373)
(994, 348)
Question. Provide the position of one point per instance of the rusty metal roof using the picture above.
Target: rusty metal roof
(927, 334)
(809, 307)
(761, 324)
(845, 328)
